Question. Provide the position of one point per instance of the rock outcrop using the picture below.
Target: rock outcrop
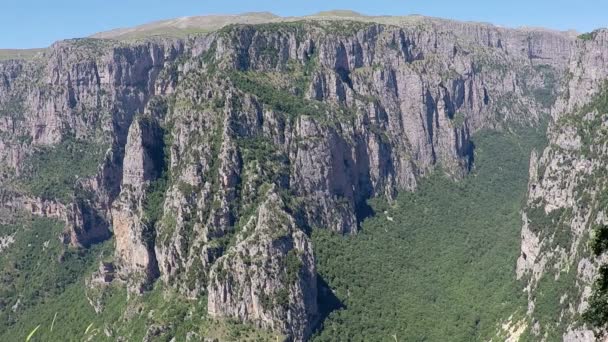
(133, 228)
(85, 89)
(269, 276)
(566, 201)
(223, 150)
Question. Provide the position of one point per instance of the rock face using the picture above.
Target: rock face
(556, 224)
(225, 149)
(588, 72)
(133, 231)
(566, 200)
(83, 227)
(84, 89)
(269, 277)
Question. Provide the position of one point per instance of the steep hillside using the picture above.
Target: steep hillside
(216, 172)
(565, 204)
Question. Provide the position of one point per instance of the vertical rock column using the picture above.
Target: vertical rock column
(134, 235)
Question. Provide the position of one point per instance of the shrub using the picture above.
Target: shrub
(587, 36)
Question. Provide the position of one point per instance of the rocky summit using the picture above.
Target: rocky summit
(174, 178)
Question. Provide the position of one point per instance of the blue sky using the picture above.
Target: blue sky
(38, 23)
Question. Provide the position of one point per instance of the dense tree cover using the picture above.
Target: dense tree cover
(37, 267)
(597, 313)
(52, 172)
(438, 264)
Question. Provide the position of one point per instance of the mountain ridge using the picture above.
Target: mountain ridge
(182, 26)
(208, 162)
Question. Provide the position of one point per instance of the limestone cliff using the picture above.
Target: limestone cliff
(221, 151)
(566, 201)
(269, 276)
(132, 226)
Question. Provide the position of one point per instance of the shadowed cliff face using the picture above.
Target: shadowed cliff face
(267, 131)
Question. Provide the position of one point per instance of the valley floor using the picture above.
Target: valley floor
(438, 264)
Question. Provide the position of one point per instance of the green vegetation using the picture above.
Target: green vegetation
(345, 27)
(72, 318)
(13, 108)
(38, 269)
(155, 198)
(91, 45)
(599, 243)
(271, 165)
(550, 310)
(551, 287)
(68, 314)
(591, 131)
(52, 172)
(438, 264)
(597, 313)
(47, 279)
(283, 101)
(459, 119)
(278, 99)
(587, 36)
(293, 267)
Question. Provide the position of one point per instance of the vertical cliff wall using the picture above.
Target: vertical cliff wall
(566, 202)
(214, 156)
